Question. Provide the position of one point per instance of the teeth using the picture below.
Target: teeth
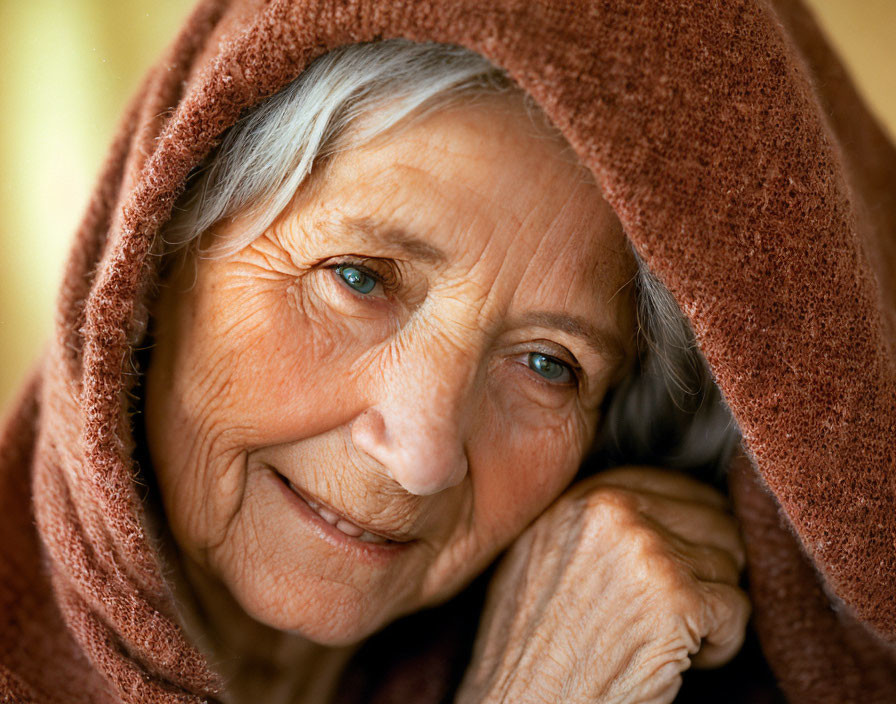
(369, 537)
(349, 528)
(345, 526)
(328, 515)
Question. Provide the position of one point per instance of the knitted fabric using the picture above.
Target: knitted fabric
(743, 167)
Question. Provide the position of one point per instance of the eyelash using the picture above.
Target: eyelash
(391, 282)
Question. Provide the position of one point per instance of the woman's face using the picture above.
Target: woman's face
(351, 417)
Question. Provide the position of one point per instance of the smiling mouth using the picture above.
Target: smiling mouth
(341, 523)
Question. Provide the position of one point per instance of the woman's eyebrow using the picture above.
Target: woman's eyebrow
(381, 233)
(603, 341)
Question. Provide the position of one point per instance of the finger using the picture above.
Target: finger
(727, 612)
(706, 562)
(696, 523)
(663, 481)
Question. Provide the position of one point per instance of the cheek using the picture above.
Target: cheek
(270, 366)
(517, 469)
(533, 464)
(244, 363)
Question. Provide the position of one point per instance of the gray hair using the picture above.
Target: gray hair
(667, 412)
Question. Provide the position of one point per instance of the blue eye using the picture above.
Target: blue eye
(549, 367)
(356, 278)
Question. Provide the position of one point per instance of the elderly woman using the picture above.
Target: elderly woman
(358, 330)
(436, 301)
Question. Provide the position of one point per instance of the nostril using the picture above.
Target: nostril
(368, 432)
(371, 437)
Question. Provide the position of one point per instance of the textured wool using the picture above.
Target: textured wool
(747, 173)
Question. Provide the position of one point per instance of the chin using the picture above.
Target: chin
(326, 613)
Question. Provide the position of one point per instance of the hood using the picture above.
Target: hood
(744, 169)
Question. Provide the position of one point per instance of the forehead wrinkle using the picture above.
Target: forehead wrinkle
(456, 178)
(555, 267)
(561, 229)
(400, 227)
(602, 270)
(427, 177)
(605, 265)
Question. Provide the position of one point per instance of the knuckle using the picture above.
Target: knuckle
(713, 563)
(656, 566)
(648, 547)
(611, 505)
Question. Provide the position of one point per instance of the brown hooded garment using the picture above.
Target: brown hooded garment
(744, 168)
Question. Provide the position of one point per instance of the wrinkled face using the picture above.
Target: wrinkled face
(352, 416)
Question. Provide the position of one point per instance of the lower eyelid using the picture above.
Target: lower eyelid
(540, 395)
(566, 384)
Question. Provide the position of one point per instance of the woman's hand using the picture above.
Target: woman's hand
(627, 579)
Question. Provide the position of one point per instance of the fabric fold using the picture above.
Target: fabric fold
(841, 660)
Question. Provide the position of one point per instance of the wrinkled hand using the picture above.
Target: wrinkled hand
(624, 582)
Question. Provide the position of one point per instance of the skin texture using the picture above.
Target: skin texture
(413, 409)
(623, 583)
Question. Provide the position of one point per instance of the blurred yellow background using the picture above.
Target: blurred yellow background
(68, 68)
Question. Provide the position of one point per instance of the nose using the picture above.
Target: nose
(416, 431)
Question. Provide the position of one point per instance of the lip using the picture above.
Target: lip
(331, 533)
